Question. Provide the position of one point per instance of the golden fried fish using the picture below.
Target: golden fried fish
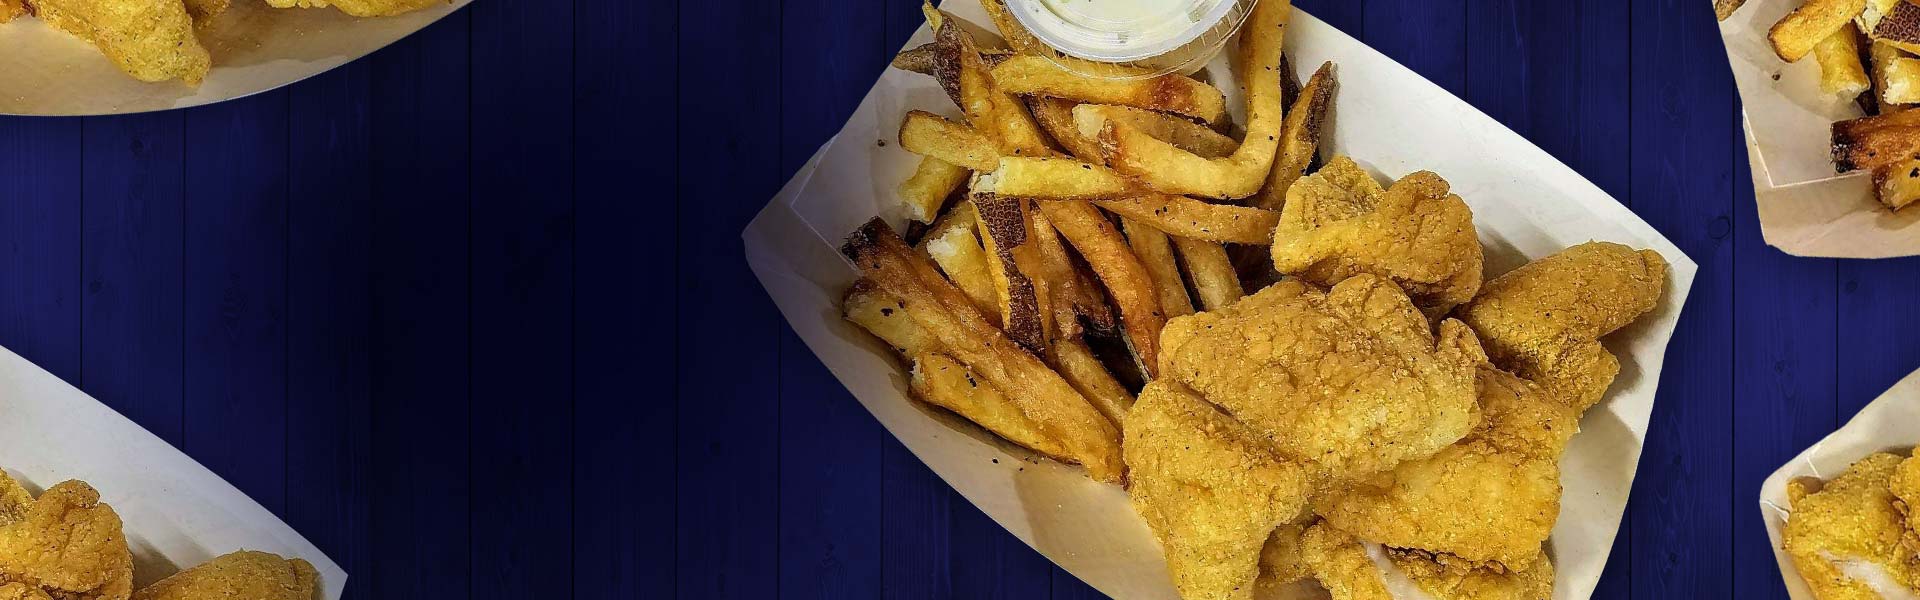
(204, 11)
(241, 575)
(1209, 489)
(152, 40)
(21, 591)
(1845, 538)
(1325, 376)
(1543, 320)
(1493, 496)
(1280, 560)
(9, 10)
(360, 8)
(1352, 570)
(1338, 223)
(1906, 489)
(67, 544)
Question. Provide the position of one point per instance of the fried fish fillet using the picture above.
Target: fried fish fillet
(1906, 489)
(241, 575)
(1281, 561)
(1351, 570)
(204, 11)
(1209, 488)
(1324, 377)
(1493, 496)
(1845, 538)
(1543, 320)
(1338, 223)
(152, 40)
(66, 543)
(21, 591)
(360, 8)
(9, 10)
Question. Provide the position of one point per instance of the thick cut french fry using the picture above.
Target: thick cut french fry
(940, 380)
(963, 73)
(1011, 31)
(1839, 58)
(958, 251)
(943, 311)
(1083, 370)
(1299, 138)
(1174, 171)
(1897, 185)
(928, 188)
(1214, 280)
(1055, 116)
(1873, 142)
(884, 315)
(1043, 76)
(1896, 22)
(1003, 229)
(1155, 251)
(1881, 55)
(1055, 277)
(1186, 135)
(1056, 179)
(934, 136)
(1902, 83)
(1724, 8)
(1187, 217)
(1126, 280)
(10, 9)
(1796, 34)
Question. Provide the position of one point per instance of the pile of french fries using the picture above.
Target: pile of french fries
(1065, 215)
(1866, 50)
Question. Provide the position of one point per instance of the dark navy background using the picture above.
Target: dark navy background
(472, 313)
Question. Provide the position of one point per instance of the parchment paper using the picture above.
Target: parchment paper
(1805, 208)
(177, 513)
(44, 71)
(1890, 423)
(1525, 203)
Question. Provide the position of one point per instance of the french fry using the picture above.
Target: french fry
(944, 312)
(1055, 116)
(1873, 142)
(1299, 138)
(1056, 179)
(1174, 171)
(1897, 185)
(1214, 280)
(1054, 275)
(1796, 34)
(964, 74)
(961, 256)
(1155, 251)
(1186, 135)
(934, 136)
(1003, 228)
(1127, 281)
(1077, 363)
(883, 315)
(918, 59)
(1896, 22)
(1881, 56)
(940, 380)
(1016, 35)
(1839, 58)
(1028, 75)
(1724, 8)
(1187, 217)
(1902, 81)
(928, 188)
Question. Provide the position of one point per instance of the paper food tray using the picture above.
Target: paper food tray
(1389, 119)
(1890, 423)
(44, 71)
(177, 513)
(1805, 208)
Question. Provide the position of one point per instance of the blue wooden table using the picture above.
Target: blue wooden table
(472, 313)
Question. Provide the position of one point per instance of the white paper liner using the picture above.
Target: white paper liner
(1388, 118)
(177, 514)
(1891, 423)
(44, 71)
(1805, 208)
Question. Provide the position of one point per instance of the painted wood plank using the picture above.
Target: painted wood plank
(990, 564)
(727, 333)
(1347, 15)
(329, 316)
(1875, 333)
(522, 299)
(1682, 167)
(131, 327)
(40, 223)
(235, 375)
(1428, 36)
(419, 350)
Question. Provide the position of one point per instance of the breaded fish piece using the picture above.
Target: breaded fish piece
(1209, 489)
(1906, 491)
(1543, 320)
(1351, 570)
(1845, 538)
(21, 591)
(1325, 377)
(1494, 496)
(241, 575)
(204, 11)
(9, 10)
(360, 8)
(1338, 223)
(14, 500)
(1281, 561)
(69, 545)
(152, 40)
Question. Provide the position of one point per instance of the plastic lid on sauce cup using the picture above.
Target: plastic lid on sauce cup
(1155, 36)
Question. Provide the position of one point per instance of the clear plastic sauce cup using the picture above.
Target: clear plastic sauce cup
(1154, 36)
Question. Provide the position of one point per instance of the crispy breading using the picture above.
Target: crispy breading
(70, 545)
(152, 40)
(1325, 376)
(1543, 320)
(1493, 496)
(203, 11)
(1338, 223)
(14, 500)
(9, 9)
(21, 591)
(1351, 570)
(1905, 486)
(1281, 562)
(1848, 529)
(241, 575)
(1210, 490)
(360, 8)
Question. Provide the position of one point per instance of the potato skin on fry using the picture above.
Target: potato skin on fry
(241, 575)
